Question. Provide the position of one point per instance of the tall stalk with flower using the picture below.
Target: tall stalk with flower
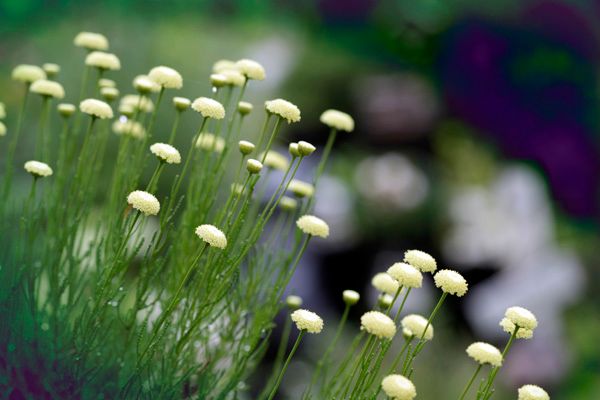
(168, 287)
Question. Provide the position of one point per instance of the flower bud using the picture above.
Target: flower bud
(305, 148)
(253, 166)
(351, 297)
(293, 302)
(294, 150)
(245, 108)
(218, 80)
(246, 147)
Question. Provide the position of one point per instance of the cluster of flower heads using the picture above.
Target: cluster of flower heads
(401, 276)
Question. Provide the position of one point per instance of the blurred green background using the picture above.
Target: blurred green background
(476, 140)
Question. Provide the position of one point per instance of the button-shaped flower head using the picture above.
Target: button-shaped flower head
(398, 387)
(144, 202)
(420, 260)
(209, 108)
(307, 321)
(378, 324)
(313, 226)
(91, 41)
(338, 120)
(485, 353)
(38, 169)
(166, 77)
(212, 235)
(451, 282)
(96, 108)
(414, 325)
(166, 153)
(283, 109)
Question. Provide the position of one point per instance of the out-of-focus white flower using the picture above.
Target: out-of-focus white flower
(96, 108)
(28, 73)
(275, 160)
(338, 120)
(385, 283)
(47, 88)
(392, 182)
(406, 275)
(415, 324)
(91, 41)
(350, 297)
(293, 302)
(166, 77)
(66, 109)
(38, 169)
(102, 60)
(209, 142)
(136, 102)
(301, 189)
(129, 128)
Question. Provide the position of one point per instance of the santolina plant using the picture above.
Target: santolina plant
(168, 287)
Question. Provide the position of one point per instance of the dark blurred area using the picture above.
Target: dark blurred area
(476, 140)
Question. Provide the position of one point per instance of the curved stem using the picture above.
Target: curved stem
(411, 356)
(323, 361)
(402, 304)
(287, 362)
(325, 156)
(468, 386)
(494, 371)
(270, 142)
(155, 176)
(261, 137)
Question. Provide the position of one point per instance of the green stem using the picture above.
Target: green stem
(323, 361)
(468, 386)
(325, 156)
(155, 176)
(494, 371)
(154, 113)
(263, 131)
(174, 128)
(360, 367)
(411, 356)
(283, 343)
(84, 78)
(287, 362)
(270, 142)
(169, 309)
(179, 179)
(402, 304)
(13, 144)
(41, 150)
